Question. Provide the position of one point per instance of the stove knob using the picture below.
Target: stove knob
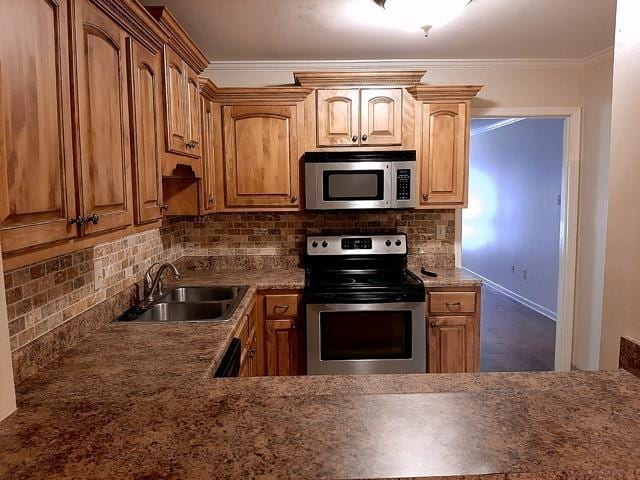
(388, 243)
(314, 244)
(325, 244)
(398, 243)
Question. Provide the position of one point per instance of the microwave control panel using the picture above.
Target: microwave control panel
(403, 184)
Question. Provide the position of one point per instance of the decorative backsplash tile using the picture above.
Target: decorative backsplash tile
(43, 296)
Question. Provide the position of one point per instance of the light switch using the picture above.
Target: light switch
(441, 232)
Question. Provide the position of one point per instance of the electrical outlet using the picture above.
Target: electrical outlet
(513, 269)
(441, 232)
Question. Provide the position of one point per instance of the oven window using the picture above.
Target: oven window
(365, 335)
(353, 185)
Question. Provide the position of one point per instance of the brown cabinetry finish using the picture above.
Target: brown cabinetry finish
(444, 156)
(145, 77)
(194, 114)
(381, 116)
(284, 350)
(359, 117)
(208, 157)
(453, 326)
(104, 148)
(261, 156)
(37, 189)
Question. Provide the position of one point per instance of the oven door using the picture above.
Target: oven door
(366, 338)
(347, 185)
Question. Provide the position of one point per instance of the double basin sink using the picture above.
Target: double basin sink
(191, 304)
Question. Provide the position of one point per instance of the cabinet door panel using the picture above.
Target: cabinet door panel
(338, 117)
(38, 192)
(146, 103)
(444, 153)
(451, 344)
(177, 107)
(381, 115)
(103, 120)
(261, 156)
(194, 116)
(208, 157)
(283, 348)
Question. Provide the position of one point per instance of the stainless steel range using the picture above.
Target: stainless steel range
(365, 309)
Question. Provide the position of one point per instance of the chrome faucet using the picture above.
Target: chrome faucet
(153, 285)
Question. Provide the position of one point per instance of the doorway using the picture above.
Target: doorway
(519, 234)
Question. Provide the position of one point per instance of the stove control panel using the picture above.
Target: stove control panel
(357, 245)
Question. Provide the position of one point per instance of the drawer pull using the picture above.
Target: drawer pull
(453, 304)
(282, 308)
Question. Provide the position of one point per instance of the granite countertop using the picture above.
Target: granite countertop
(138, 401)
(449, 277)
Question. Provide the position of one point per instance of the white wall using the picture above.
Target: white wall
(621, 304)
(7, 391)
(592, 220)
(513, 219)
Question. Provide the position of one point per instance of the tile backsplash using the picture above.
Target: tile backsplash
(46, 295)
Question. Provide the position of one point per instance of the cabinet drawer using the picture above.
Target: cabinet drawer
(279, 306)
(452, 302)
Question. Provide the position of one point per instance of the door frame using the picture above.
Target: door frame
(568, 217)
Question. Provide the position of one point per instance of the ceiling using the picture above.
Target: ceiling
(337, 30)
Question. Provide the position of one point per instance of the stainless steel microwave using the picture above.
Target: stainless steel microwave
(347, 180)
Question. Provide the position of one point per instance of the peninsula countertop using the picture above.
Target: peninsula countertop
(138, 401)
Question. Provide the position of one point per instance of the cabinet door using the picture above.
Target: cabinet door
(177, 129)
(451, 344)
(338, 114)
(261, 156)
(194, 115)
(284, 352)
(103, 120)
(37, 189)
(145, 74)
(444, 155)
(208, 157)
(381, 116)
(253, 357)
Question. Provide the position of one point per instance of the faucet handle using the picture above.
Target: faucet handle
(148, 281)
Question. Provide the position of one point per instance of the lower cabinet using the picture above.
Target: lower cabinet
(284, 333)
(453, 330)
(249, 345)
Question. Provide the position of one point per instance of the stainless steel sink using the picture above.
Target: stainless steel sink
(189, 304)
(188, 312)
(201, 294)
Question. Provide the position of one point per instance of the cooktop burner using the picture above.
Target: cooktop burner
(360, 269)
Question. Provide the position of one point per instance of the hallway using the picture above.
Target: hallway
(513, 337)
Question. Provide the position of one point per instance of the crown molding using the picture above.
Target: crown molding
(333, 78)
(494, 126)
(231, 95)
(409, 64)
(430, 93)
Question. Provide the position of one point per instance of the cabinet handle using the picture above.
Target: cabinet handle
(164, 207)
(354, 138)
(425, 196)
(77, 221)
(433, 325)
(364, 137)
(452, 304)
(294, 199)
(293, 327)
(93, 219)
(284, 308)
(210, 200)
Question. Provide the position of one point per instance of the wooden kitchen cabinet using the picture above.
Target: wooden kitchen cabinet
(453, 330)
(442, 127)
(208, 185)
(145, 77)
(103, 120)
(284, 334)
(359, 117)
(37, 188)
(249, 344)
(261, 157)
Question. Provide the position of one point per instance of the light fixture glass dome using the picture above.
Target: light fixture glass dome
(424, 13)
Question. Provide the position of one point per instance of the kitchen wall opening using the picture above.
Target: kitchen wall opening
(511, 236)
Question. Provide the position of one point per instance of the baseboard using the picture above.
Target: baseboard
(518, 298)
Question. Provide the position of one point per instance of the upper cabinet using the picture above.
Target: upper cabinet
(442, 127)
(208, 188)
(37, 191)
(261, 156)
(145, 87)
(354, 117)
(103, 120)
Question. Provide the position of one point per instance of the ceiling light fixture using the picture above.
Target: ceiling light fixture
(424, 14)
